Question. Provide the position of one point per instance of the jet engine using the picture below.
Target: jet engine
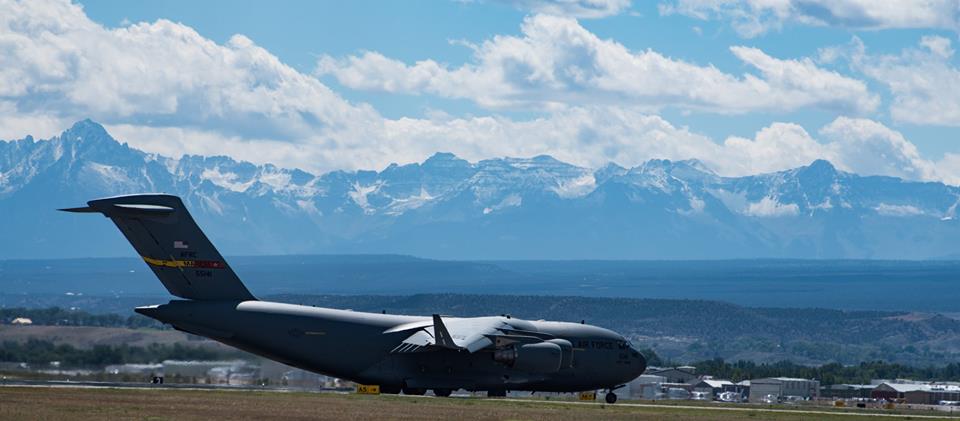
(540, 357)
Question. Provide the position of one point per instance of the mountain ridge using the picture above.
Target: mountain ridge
(447, 207)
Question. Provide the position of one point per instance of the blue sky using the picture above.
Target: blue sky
(741, 85)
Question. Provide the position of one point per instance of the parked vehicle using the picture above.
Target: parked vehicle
(676, 393)
(730, 397)
(701, 396)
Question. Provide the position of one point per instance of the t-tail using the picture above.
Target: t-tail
(168, 239)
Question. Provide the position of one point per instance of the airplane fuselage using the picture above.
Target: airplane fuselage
(354, 346)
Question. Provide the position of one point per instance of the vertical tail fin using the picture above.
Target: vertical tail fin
(165, 235)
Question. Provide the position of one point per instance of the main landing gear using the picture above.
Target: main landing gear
(390, 390)
(497, 393)
(442, 393)
(611, 398)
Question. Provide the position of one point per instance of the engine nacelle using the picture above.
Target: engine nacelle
(540, 357)
(567, 349)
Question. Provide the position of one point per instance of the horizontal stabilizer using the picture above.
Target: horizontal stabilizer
(85, 209)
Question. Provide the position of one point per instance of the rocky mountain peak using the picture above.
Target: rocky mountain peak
(507, 207)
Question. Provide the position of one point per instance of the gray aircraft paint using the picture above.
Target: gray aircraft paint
(393, 351)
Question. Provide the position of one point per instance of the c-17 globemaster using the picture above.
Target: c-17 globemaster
(409, 354)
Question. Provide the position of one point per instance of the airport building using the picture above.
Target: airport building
(212, 372)
(782, 387)
(683, 374)
(715, 386)
(917, 392)
(848, 391)
(647, 386)
(140, 369)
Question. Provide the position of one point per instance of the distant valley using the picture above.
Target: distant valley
(928, 286)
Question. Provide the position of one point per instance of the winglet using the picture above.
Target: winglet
(441, 335)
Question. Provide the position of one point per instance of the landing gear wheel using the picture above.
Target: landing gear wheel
(442, 393)
(611, 398)
(496, 393)
(416, 391)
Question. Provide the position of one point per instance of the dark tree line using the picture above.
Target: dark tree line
(56, 316)
(828, 373)
(35, 351)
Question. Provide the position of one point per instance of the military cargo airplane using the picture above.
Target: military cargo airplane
(408, 354)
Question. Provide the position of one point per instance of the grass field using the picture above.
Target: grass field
(56, 403)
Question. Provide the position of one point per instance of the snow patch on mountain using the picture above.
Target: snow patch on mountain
(360, 194)
(212, 204)
(899, 210)
(227, 180)
(734, 201)
(513, 200)
(109, 175)
(827, 204)
(770, 206)
(697, 206)
(577, 187)
(278, 180)
(399, 206)
(309, 207)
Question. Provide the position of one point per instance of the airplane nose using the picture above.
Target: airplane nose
(641, 362)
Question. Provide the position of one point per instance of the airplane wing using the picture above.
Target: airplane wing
(466, 334)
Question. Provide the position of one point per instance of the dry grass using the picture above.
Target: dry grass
(49, 403)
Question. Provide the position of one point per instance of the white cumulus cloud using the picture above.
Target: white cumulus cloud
(574, 8)
(56, 60)
(556, 62)
(924, 80)
(165, 88)
(751, 18)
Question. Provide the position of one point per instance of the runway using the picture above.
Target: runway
(755, 409)
(188, 401)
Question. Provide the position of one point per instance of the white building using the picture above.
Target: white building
(684, 374)
(647, 386)
(781, 387)
(144, 369)
(917, 392)
(714, 386)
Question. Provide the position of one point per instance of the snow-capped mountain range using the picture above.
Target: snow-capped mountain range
(446, 207)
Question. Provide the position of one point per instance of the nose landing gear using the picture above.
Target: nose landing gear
(611, 397)
(498, 393)
(415, 391)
